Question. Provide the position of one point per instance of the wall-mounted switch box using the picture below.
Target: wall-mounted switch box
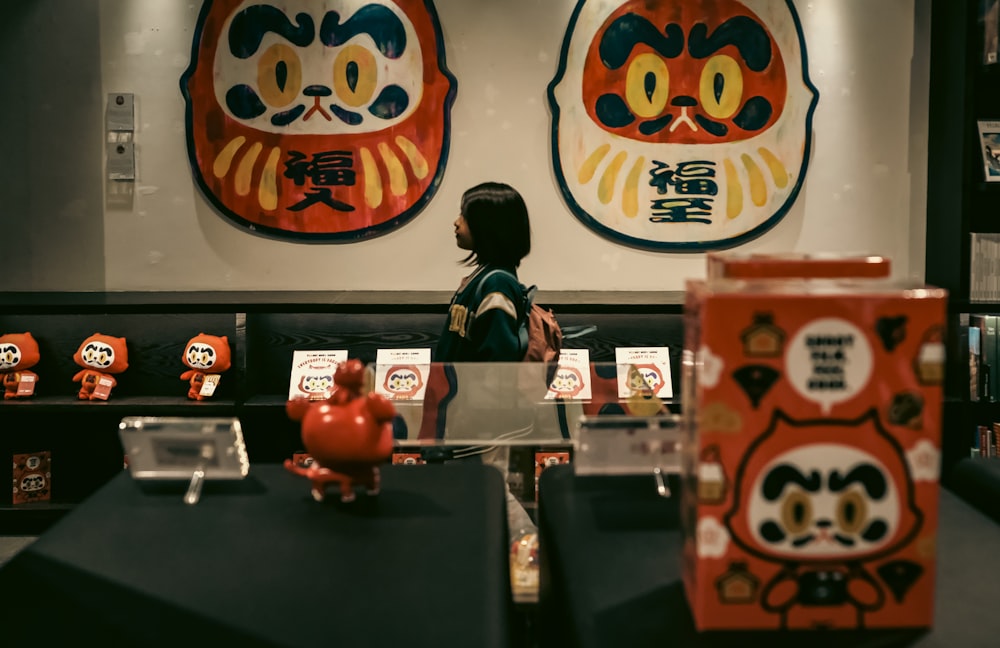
(120, 113)
(121, 161)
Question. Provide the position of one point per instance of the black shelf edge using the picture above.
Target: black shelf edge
(38, 507)
(976, 307)
(267, 400)
(139, 404)
(315, 301)
(32, 519)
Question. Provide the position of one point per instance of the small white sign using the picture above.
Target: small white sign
(210, 384)
(401, 374)
(572, 379)
(312, 373)
(641, 368)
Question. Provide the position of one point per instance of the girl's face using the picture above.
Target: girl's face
(463, 238)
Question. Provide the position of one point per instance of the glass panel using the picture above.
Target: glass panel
(524, 403)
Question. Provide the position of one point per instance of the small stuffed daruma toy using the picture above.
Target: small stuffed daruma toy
(18, 352)
(207, 356)
(100, 356)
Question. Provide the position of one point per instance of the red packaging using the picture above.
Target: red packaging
(408, 458)
(32, 477)
(794, 265)
(544, 459)
(812, 408)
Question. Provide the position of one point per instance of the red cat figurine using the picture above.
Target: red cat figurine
(100, 356)
(348, 435)
(206, 355)
(18, 352)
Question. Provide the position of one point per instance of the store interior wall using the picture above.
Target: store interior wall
(65, 228)
(51, 120)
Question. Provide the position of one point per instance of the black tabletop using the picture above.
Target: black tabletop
(977, 481)
(610, 558)
(260, 563)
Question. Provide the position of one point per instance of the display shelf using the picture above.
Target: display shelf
(959, 200)
(137, 405)
(264, 329)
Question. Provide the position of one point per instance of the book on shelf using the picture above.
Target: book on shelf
(984, 443)
(989, 12)
(989, 145)
(975, 361)
(989, 354)
(984, 267)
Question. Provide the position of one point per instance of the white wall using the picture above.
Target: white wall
(864, 189)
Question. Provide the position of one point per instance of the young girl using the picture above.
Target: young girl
(482, 323)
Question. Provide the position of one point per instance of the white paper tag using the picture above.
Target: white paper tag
(401, 374)
(312, 373)
(572, 379)
(652, 366)
(209, 385)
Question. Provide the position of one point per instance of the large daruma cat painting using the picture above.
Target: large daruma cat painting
(318, 119)
(681, 125)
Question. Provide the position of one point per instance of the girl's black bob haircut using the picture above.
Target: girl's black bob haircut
(498, 222)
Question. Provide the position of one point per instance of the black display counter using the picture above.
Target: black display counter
(977, 481)
(259, 563)
(610, 560)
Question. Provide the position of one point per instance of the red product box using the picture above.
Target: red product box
(544, 459)
(796, 265)
(32, 477)
(408, 458)
(813, 411)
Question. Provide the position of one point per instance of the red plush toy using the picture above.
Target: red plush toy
(100, 356)
(18, 352)
(207, 356)
(347, 435)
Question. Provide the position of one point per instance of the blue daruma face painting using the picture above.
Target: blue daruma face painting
(681, 126)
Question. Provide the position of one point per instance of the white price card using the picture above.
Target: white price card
(312, 373)
(401, 374)
(572, 378)
(642, 368)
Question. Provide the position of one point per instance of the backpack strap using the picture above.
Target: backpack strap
(478, 295)
(527, 295)
(528, 299)
(578, 330)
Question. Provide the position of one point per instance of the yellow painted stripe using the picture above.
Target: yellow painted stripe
(373, 181)
(734, 191)
(758, 190)
(267, 192)
(225, 160)
(244, 172)
(397, 176)
(417, 161)
(606, 187)
(630, 197)
(777, 169)
(589, 167)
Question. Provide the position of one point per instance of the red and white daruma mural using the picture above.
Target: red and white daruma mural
(678, 125)
(318, 119)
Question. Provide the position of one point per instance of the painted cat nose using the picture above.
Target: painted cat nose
(317, 91)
